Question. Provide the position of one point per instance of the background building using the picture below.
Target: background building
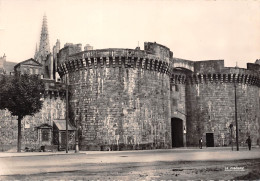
(6, 67)
(29, 66)
(45, 128)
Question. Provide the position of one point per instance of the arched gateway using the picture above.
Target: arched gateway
(177, 132)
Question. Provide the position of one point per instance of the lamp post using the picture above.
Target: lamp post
(67, 115)
(236, 115)
(231, 131)
(77, 135)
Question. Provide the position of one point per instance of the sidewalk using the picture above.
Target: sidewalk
(177, 150)
(26, 154)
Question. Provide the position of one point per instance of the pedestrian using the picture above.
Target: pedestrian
(248, 141)
(200, 143)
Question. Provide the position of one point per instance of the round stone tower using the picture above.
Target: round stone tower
(120, 97)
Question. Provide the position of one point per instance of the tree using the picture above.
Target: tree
(21, 95)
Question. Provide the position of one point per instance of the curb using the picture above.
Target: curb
(72, 152)
(29, 155)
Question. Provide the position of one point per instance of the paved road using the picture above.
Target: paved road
(35, 163)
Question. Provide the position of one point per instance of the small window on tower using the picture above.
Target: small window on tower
(176, 88)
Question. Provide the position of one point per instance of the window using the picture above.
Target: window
(45, 134)
(25, 70)
(176, 88)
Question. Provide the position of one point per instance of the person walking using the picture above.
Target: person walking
(248, 141)
(200, 143)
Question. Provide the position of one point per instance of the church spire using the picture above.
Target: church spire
(44, 48)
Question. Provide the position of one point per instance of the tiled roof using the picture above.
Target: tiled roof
(61, 125)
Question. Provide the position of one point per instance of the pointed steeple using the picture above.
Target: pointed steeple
(44, 48)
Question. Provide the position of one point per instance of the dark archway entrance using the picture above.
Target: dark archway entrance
(177, 132)
(209, 139)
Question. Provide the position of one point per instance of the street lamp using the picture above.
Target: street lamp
(231, 131)
(67, 115)
(77, 134)
(236, 114)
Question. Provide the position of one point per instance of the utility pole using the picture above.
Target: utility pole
(236, 115)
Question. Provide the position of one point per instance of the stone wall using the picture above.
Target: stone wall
(209, 66)
(183, 64)
(211, 106)
(121, 108)
(160, 51)
(127, 99)
(120, 97)
(68, 50)
(178, 100)
(53, 108)
(254, 67)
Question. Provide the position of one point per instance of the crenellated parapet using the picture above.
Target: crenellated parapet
(111, 58)
(215, 78)
(223, 78)
(213, 71)
(54, 89)
(178, 79)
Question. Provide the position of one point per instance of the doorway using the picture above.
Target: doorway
(63, 140)
(177, 132)
(209, 139)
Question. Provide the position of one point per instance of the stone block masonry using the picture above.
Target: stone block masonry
(122, 102)
(211, 109)
(146, 99)
(211, 105)
(53, 108)
(125, 99)
(178, 103)
(116, 109)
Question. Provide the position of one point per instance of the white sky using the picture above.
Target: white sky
(194, 30)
